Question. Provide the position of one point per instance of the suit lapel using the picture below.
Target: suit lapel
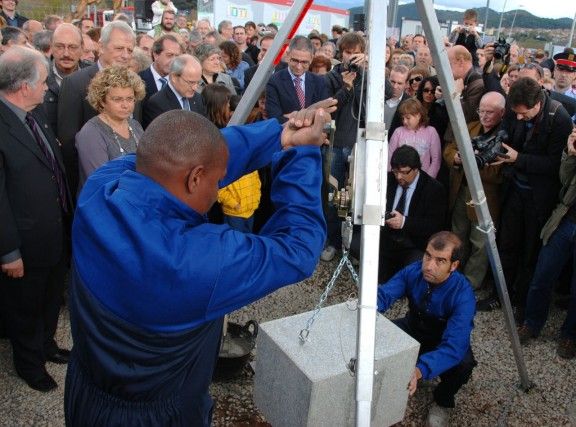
(54, 143)
(308, 89)
(19, 131)
(173, 101)
(290, 90)
(415, 200)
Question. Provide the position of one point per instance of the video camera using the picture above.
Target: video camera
(487, 149)
(501, 49)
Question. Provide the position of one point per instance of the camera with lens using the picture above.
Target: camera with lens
(351, 67)
(488, 148)
(501, 49)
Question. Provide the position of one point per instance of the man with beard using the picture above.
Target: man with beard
(166, 25)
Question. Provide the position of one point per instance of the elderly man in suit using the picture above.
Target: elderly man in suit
(294, 88)
(179, 92)
(34, 208)
(116, 45)
(155, 77)
(66, 51)
(416, 205)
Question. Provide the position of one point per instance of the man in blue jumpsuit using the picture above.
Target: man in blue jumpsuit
(440, 317)
(152, 279)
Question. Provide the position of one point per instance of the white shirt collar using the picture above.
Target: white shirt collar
(292, 76)
(178, 96)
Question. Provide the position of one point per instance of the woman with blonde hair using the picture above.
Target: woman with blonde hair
(113, 92)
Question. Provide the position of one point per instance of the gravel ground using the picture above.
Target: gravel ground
(491, 398)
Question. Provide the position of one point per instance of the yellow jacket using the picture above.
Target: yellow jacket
(242, 197)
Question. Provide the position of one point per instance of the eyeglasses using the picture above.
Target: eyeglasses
(61, 47)
(191, 83)
(404, 172)
(119, 99)
(428, 90)
(485, 112)
(298, 62)
(415, 79)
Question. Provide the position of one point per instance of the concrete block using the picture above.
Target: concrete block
(309, 385)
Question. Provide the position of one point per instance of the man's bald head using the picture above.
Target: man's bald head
(67, 48)
(186, 154)
(491, 110)
(177, 140)
(495, 99)
(69, 31)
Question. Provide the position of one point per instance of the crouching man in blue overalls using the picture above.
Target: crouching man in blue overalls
(440, 317)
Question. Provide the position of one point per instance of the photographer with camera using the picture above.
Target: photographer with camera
(464, 220)
(558, 249)
(466, 35)
(537, 129)
(344, 83)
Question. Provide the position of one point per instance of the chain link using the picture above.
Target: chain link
(344, 261)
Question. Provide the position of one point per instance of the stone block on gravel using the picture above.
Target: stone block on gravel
(309, 385)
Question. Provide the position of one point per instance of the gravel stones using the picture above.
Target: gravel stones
(491, 397)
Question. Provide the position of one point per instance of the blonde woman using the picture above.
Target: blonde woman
(113, 92)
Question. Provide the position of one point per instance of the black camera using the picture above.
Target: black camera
(351, 67)
(488, 148)
(501, 49)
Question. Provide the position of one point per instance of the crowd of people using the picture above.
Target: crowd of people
(75, 97)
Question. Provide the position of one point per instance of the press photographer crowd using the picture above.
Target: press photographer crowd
(126, 200)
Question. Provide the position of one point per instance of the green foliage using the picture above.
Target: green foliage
(523, 19)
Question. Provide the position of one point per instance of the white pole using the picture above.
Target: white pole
(501, 16)
(571, 32)
(373, 206)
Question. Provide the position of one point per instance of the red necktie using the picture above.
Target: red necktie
(299, 92)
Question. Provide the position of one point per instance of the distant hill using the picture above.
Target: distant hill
(523, 19)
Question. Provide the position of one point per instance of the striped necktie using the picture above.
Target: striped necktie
(58, 173)
(299, 92)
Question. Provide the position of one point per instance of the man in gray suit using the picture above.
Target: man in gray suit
(116, 45)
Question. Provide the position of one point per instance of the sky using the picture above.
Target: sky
(541, 8)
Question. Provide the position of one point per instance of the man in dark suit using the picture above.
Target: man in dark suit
(295, 87)
(66, 51)
(116, 45)
(265, 44)
(179, 92)
(155, 77)
(34, 210)
(416, 204)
